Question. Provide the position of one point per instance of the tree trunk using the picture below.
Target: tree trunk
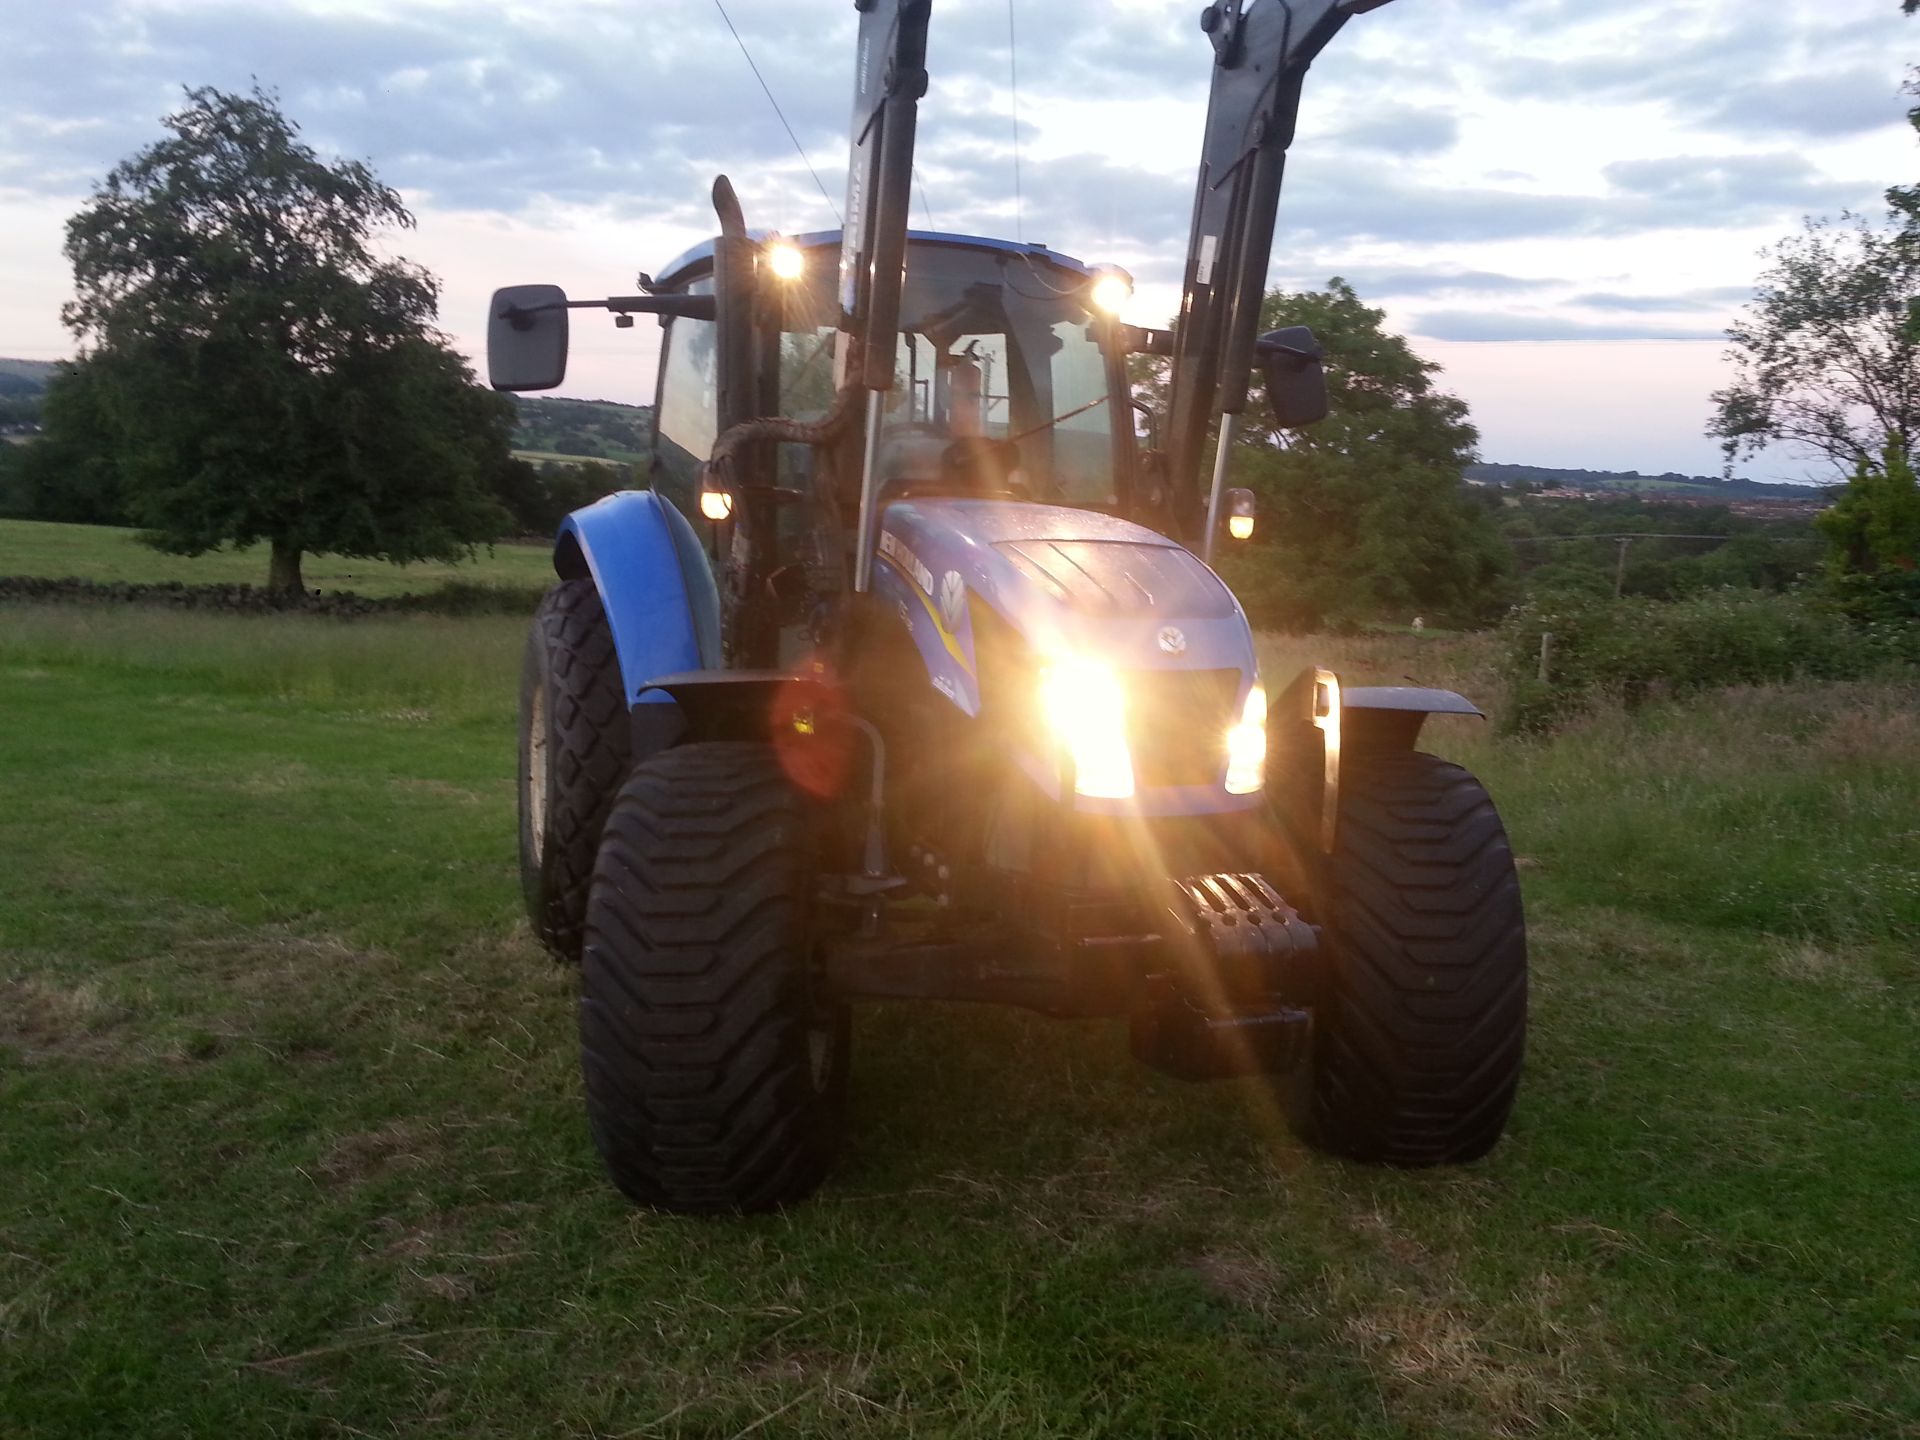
(283, 570)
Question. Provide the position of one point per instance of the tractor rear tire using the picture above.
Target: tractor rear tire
(574, 749)
(1422, 1021)
(715, 1067)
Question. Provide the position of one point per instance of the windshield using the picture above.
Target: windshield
(994, 346)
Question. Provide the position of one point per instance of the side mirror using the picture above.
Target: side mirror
(527, 337)
(1296, 385)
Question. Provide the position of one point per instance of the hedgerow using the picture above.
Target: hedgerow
(1635, 649)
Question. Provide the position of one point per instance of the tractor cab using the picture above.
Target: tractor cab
(1009, 373)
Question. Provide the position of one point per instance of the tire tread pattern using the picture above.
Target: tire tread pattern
(696, 997)
(1424, 1024)
(589, 749)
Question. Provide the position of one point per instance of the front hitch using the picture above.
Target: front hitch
(1236, 996)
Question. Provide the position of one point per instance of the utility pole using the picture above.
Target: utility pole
(1620, 566)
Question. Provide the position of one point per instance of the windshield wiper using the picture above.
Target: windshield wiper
(1049, 424)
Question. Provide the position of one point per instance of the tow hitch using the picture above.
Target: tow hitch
(1236, 998)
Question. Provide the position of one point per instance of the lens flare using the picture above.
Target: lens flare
(785, 260)
(1086, 707)
(1112, 289)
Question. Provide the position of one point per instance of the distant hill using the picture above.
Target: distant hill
(24, 377)
(1670, 486)
(590, 429)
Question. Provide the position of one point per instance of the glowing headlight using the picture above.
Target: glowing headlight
(716, 504)
(1247, 746)
(1112, 289)
(1086, 708)
(785, 260)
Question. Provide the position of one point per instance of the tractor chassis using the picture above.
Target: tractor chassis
(1217, 976)
(1216, 972)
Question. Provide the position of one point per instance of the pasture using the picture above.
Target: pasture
(292, 1144)
(45, 549)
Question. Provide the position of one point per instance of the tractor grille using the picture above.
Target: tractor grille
(1177, 724)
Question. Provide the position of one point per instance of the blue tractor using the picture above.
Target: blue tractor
(908, 678)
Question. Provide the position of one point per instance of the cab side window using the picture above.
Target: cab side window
(688, 417)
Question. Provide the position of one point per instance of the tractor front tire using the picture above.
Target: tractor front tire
(715, 1067)
(1422, 1020)
(574, 749)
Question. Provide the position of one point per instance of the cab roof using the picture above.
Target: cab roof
(694, 263)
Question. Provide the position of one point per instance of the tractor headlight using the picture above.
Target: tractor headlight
(1086, 708)
(1247, 746)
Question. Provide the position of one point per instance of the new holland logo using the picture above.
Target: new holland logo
(953, 598)
(1173, 640)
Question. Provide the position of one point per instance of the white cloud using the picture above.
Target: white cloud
(1518, 168)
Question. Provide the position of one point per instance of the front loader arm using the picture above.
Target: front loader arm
(890, 76)
(1262, 49)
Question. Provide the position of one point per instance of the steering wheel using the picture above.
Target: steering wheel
(983, 464)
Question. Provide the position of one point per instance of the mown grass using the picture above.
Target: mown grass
(292, 1141)
(45, 550)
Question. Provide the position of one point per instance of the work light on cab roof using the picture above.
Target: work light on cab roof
(785, 260)
(1112, 288)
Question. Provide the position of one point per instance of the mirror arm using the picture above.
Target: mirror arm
(1140, 340)
(692, 307)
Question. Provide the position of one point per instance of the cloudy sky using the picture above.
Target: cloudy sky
(1562, 201)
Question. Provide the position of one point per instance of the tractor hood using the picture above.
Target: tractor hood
(1063, 580)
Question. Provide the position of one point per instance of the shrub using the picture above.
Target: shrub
(1885, 597)
(455, 597)
(1635, 648)
(1278, 596)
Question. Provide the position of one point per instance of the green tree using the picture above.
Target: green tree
(264, 374)
(1873, 539)
(1905, 199)
(68, 474)
(1365, 515)
(15, 501)
(1826, 354)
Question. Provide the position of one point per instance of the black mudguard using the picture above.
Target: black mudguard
(1316, 721)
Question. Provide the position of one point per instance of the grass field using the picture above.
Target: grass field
(292, 1141)
(45, 550)
(624, 458)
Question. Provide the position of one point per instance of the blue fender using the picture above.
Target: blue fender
(654, 582)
